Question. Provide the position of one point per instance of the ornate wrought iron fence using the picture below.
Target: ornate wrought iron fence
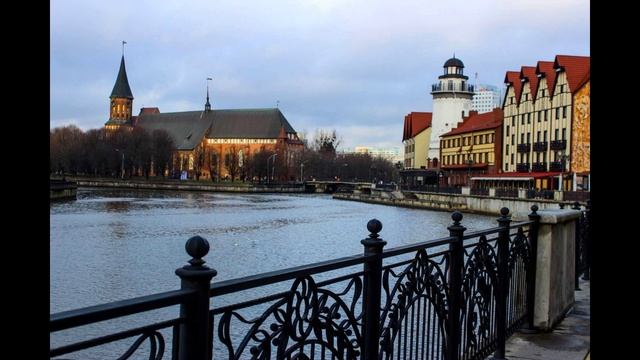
(583, 243)
(457, 297)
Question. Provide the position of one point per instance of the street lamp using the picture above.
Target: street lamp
(428, 162)
(302, 170)
(563, 161)
(122, 164)
(274, 165)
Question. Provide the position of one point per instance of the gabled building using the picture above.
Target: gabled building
(472, 148)
(415, 138)
(542, 122)
(214, 143)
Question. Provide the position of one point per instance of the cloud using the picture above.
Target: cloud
(349, 64)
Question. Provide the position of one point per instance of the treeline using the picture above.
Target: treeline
(135, 152)
(99, 153)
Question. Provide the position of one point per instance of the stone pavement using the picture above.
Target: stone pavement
(569, 340)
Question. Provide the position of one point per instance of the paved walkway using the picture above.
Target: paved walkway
(570, 339)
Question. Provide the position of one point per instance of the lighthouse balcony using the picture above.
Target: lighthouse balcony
(435, 88)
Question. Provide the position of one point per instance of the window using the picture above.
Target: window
(528, 118)
(539, 116)
(564, 112)
(507, 148)
(511, 159)
(557, 113)
(513, 139)
(513, 121)
(522, 119)
(522, 138)
(538, 136)
(556, 133)
(528, 138)
(545, 136)
(564, 134)
(544, 157)
(546, 112)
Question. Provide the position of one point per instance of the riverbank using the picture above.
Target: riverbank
(61, 189)
(191, 185)
(476, 204)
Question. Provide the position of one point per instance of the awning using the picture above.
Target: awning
(504, 178)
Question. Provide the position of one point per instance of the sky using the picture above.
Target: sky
(356, 66)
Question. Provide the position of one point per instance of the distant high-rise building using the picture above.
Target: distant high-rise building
(393, 154)
(486, 98)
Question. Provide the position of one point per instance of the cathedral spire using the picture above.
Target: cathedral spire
(121, 88)
(207, 105)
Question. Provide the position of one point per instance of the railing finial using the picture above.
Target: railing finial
(456, 217)
(534, 209)
(197, 247)
(576, 205)
(504, 212)
(374, 226)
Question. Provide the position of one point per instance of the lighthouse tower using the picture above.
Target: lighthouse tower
(452, 99)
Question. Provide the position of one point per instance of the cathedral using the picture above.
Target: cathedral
(212, 143)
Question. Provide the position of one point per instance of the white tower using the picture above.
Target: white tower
(452, 98)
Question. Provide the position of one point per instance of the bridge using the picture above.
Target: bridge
(333, 186)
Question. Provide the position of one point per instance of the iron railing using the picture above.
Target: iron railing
(583, 243)
(480, 191)
(524, 148)
(558, 144)
(540, 146)
(512, 193)
(457, 297)
(432, 188)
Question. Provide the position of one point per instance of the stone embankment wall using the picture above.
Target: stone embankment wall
(450, 202)
(191, 186)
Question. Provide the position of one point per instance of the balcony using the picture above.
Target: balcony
(451, 87)
(556, 166)
(558, 144)
(524, 148)
(540, 146)
(522, 167)
(539, 166)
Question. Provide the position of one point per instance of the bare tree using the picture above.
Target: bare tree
(162, 149)
(231, 162)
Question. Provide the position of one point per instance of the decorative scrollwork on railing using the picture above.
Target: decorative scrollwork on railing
(518, 249)
(479, 281)
(156, 350)
(308, 320)
(156, 346)
(416, 305)
(518, 264)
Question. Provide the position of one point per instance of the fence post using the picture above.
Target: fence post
(578, 267)
(587, 242)
(194, 342)
(528, 327)
(503, 284)
(456, 265)
(372, 290)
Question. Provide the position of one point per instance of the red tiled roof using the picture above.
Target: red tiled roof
(576, 67)
(477, 122)
(546, 69)
(415, 123)
(512, 78)
(584, 80)
(149, 110)
(529, 73)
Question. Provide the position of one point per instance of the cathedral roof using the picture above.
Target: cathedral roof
(121, 88)
(188, 128)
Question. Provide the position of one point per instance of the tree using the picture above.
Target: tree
(231, 162)
(326, 142)
(65, 145)
(162, 148)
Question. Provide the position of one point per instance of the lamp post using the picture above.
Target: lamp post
(121, 164)
(428, 162)
(274, 166)
(563, 161)
(302, 170)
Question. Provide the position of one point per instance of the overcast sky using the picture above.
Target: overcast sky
(357, 66)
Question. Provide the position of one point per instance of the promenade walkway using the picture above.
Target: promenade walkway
(570, 340)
